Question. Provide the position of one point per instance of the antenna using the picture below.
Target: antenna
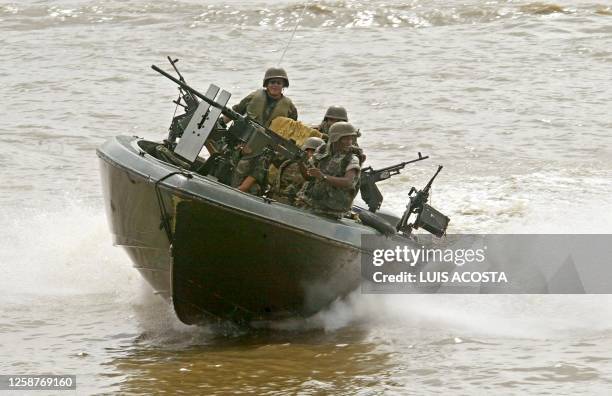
(293, 34)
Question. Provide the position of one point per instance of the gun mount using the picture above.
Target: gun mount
(427, 217)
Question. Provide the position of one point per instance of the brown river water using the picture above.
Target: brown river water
(512, 97)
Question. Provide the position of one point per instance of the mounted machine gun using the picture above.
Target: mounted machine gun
(427, 217)
(188, 102)
(369, 177)
(201, 117)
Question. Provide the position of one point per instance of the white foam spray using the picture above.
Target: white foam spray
(68, 251)
(565, 211)
(61, 251)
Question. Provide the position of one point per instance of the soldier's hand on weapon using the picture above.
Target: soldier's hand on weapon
(315, 172)
(358, 151)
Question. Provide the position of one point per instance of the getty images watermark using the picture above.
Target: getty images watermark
(502, 264)
(416, 255)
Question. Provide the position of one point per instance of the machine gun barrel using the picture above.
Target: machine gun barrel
(190, 100)
(173, 63)
(401, 165)
(428, 186)
(385, 173)
(369, 177)
(224, 110)
(288, 147)
(420, 198)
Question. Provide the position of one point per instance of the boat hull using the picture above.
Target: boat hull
(213, 251)
(228, 264)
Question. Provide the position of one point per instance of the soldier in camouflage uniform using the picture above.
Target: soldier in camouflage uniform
(336, 114)
(335, 179)
(250, 171)
(289, 179)
(264, 105)
(332, 115)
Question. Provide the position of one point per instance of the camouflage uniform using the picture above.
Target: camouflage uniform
(255, 166)
(322, 197)
(288, 182)
(261, 107)
(323, 127)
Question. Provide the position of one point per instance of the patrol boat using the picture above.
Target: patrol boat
(213, 251)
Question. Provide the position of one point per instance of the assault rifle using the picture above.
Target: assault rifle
(369, 177)
(244, 129)
(427, 218)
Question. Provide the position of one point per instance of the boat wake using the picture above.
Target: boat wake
(509, 316)
(512, 316)
(67, 252)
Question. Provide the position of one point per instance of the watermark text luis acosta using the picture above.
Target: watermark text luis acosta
(441, 277)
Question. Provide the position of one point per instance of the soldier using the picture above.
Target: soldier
(289, 179)
(336, 114)
(251, 171)
(335, 179)
(332, 115)
(264, 105)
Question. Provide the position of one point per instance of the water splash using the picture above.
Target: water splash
(62, 251)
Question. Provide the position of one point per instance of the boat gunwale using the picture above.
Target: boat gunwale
(175, 187)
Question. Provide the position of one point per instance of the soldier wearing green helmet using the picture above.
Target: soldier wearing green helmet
(289, 179)
(332, 115)
(334, 179)
(336, 114)
(264, 105)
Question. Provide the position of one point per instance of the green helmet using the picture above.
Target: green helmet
(341, 129)
(336, 112)
(276, 72)
(312, 143)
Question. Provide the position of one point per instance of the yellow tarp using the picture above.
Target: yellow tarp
(290, 129)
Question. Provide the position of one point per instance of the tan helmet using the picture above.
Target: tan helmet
(336, 112)
(312, 143)
(276, 72)
(341, 129)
